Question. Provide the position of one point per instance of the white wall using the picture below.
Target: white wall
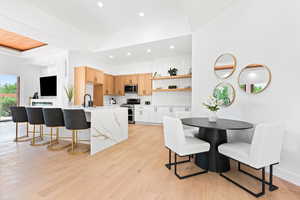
(29, 82)
(264, 32)
(160, 65)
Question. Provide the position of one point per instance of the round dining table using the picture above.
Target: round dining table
(215, 134)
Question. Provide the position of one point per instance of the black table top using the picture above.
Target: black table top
(221, 124)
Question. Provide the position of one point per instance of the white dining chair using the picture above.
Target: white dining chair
(188, 130)
(176, 141)
(264, 151)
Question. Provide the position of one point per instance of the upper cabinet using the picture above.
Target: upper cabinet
(131, 79)
(119, 85)
(145, 84)
(109, 84)
(94, 76)
(84, 75)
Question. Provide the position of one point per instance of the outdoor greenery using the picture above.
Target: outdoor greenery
(257, 89)
(222, 93)
(8, 88)
(7, 102)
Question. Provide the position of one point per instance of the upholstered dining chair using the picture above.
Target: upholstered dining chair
(264, 151)
(188, 130)
(19, 116)
(176, 141)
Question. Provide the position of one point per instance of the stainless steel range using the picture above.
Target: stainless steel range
(130, 105)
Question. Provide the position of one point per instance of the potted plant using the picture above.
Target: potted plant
(213, 105)
(70, 93)
(173, 71)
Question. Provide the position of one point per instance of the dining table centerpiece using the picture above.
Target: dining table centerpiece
(213, 105)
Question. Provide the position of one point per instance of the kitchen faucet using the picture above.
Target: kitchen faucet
(84, 102)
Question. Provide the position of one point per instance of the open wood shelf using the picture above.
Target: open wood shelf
(172, 77)
(172, 90)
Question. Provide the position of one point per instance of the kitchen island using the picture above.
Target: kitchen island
(109, 126)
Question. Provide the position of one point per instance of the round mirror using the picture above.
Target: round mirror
(225, 92)
(254, 78)
(225, 65)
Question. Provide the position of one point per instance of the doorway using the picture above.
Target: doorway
(9, 95)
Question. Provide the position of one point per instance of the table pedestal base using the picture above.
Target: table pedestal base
(213, 160)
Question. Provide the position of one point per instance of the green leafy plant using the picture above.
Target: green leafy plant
(172, 71)
(70, 93)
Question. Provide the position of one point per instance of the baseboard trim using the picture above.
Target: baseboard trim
(287, 175)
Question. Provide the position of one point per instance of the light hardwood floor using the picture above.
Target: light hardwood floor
(132, 170)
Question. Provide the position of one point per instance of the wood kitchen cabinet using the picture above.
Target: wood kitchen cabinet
(131, 79)
(119, 85)
(87, 75)
(145, 84)
(109, 84)
(94, 76)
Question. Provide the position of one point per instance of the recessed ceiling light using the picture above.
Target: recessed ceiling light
(172, 47)
(100, 4)
(148, 50)
(128, 54)
(111, 56)
(141, 14)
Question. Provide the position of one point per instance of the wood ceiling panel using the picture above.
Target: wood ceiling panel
(18, 42)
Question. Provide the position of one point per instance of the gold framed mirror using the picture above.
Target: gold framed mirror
(254, 78)
(225, 92)
(225, 66)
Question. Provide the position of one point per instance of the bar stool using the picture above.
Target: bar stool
(54, 118)
(75, 120)
(36, 118)
(19, 115)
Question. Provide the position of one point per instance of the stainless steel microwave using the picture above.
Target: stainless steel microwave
(131, 88)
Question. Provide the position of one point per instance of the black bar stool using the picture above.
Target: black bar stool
(54, 118)
(36, 118)
(19, 115)
(75, 120)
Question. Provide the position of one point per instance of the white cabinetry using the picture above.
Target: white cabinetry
(142, 114)
(155, 114)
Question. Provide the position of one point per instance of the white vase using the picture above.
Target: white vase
(70, 104)
(212, 116)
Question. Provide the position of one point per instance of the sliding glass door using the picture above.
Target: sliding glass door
(9, 95)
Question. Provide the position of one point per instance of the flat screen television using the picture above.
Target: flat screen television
(48, 86)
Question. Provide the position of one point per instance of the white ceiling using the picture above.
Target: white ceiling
(182, 46)
(81, 24)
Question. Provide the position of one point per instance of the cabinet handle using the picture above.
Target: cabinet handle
(155, 109)
(141, 112)
(171, 109)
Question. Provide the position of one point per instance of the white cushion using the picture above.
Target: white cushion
(193, 146)
(238, 151)
(191, 132)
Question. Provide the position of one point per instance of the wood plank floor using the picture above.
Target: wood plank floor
(131, 170)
